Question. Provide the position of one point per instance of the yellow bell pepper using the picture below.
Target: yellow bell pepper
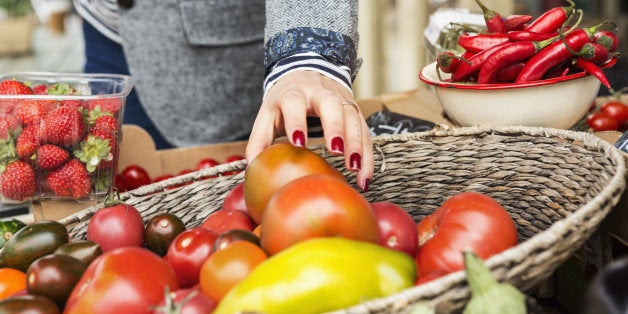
(319, 275)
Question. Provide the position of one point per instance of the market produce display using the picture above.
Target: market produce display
(312, 224)
(58, 136)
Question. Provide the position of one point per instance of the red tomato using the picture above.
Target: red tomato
(187, 252)
(116, 226)
(192, 301)
(617, 110)
(124, 280)
(600, 121)
(235, 199)
(206, 163)
(466, 221)
(274, 167)
(11, 281)
(224, 220)
(227, 267)
(316, 205)
(120, 183)
(397, 229)
(135, 176)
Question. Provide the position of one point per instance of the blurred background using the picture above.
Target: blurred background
(45, 35)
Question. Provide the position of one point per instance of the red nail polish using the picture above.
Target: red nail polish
(365, 188)
(337, 145)
(355, 161)
(298, 138)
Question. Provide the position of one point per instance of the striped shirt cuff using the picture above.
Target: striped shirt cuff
(308, 61)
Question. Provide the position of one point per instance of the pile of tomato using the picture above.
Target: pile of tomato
(294, 219)
(612, 115)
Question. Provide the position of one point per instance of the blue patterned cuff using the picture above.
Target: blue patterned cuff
(332, 46)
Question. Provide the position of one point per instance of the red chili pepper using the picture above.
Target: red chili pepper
(479, 42)
(595, 53)
(447, 61)
(552, 19)
(608, 39)
(516, 22)
(465, 70)
(526, 35)
(509, 54)
(494, 21)
(594, 70)
(555, 53)
(509, 73)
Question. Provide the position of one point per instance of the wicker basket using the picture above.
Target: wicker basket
(558, 186)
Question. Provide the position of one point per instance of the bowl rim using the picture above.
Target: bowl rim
(475, 86)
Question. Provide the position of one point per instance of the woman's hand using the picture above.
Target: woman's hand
(304, 93)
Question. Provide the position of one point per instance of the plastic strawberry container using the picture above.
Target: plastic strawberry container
(62, 141)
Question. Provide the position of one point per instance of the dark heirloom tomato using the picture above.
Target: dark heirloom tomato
(124, 280)
(226, 238)
(466, 221)
(84, 250)
(54, 276)
(161, 230)
(31, 304)
(274, 167)
(187, 252)
(317, 205)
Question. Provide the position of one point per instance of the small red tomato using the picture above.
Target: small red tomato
(600, 121)
(207, 163)
(135, 176)
(116, 226)
(397, 229)
(235, 199)
(616, 109)
(224, 220)
(119, 182)
(191, 301)
(188, 251)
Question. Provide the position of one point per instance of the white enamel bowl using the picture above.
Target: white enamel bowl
(556, 103)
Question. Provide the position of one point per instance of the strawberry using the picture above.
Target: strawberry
(97, 151)
(63, 126)
(106, 122)
(112, 105)
(18, 181)
(31, 111)
(51, 156)
(9, 126)
(75, 103)
(41, 89)
(14, 87)
(27, 142)
(71, 179)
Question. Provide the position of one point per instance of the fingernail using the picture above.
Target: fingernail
(355, 161)
(337, 145)
(298, 138)
(365, 187)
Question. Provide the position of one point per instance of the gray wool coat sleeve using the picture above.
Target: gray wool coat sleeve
(199, 64)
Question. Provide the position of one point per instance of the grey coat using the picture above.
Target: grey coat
(199, 64)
